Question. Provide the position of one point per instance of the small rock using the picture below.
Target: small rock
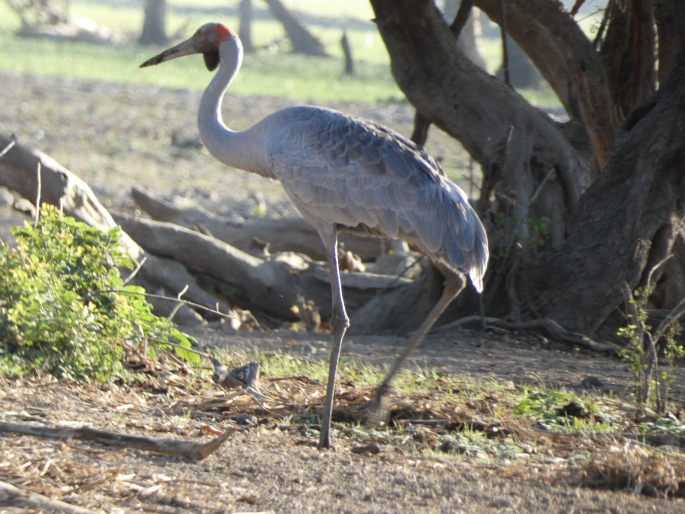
(573, 410)
(247, 420)
(591, 382)
(366, 449)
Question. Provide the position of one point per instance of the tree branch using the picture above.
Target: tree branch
(565, 57)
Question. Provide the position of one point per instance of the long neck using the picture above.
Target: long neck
(237, 149)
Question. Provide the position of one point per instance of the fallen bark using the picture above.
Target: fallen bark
(292, 234)
(170, 447)
(15, 497)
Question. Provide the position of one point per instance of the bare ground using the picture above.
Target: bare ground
(117, 136)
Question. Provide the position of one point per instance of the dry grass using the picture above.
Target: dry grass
(636, 469)
(173, 399)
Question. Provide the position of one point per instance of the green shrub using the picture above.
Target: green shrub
(64, 307)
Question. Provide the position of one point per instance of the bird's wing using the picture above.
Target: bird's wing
(344, 171)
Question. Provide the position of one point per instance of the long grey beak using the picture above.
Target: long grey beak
(187, 47)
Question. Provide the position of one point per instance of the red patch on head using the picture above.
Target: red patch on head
(224, 32)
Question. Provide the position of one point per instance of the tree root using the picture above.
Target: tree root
(545, 325)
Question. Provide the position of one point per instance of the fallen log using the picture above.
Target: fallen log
(19, 169)
(210, 271)
(171, 447)
(272, 285)
(290, 234)
(13, 496)
(174, 278)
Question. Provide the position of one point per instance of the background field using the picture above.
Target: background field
(272, 71)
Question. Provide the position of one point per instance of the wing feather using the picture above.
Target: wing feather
(344, 171)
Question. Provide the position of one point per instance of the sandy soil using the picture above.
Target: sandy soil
(118, 136)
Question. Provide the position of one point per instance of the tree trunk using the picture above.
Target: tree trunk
(629, 219)
(531, 170)
(303, 41)
(629, 52)
(154, 23)
(347, 53)
(599, 234)
(245, 25)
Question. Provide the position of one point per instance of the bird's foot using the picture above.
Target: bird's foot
(378, 410)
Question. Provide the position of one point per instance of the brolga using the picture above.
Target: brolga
(344, 174)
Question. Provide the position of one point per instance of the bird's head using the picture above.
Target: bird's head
(206, 41)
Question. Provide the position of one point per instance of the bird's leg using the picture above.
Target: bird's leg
(339, 323)
(454, 284)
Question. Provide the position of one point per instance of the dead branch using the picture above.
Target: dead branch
(270, 285)
(171, 447)
(59, 187)
(292, 234)
(545, 325)
(11, 495)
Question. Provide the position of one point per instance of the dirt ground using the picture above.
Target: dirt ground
(118, 136)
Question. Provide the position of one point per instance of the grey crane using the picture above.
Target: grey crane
(344, 173)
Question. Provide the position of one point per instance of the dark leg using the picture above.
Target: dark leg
(454, 283)
(339, 324)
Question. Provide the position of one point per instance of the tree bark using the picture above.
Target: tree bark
(606, 232)
(269, 286)
(19, 169)
(629, 53)
(629, 219)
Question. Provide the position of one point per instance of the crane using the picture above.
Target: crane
(344, 174)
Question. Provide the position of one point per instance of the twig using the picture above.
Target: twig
(663, 261)
(547, 325)
(548, 176)
(9, 146)
(179, 296)
(461, 18)
(171, 298)
(135, 271)
(191, 350)
(175, 448)
(505, 50)
(11, 495)
(602, 26)
(39, 184)
(576, 7)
